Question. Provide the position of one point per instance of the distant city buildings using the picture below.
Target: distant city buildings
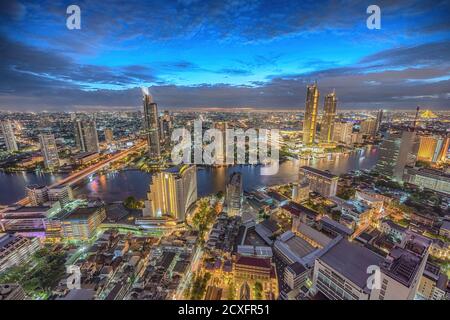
(151, 126)
(49, 151)
(311, 110)
(86, 136)
(8, 135)
(172, 192)
(329, 109)
(319, 181)
(234, 194)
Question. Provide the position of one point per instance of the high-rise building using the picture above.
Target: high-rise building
(151, 126)
(49, 151)
(342, 132)
(166, 127)
(396, 152)
(37, 194)
(8, 135)
(319, 181)
(172, 192)
(433, 148)
(369, 127)
(311, 108)
(86, 135)
(329, 110)
(379, 120)
(109, 136)
(234, 194)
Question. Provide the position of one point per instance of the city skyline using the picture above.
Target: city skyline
(258, 54)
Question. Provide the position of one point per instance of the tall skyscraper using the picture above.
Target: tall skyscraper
(311, 107)
(234, 194)
(49, 151)
(329, 110)
(8, 135)
(379, 120)
(342, 132)
(151, 126)
(166, 127)
(396, 152)
(172, 192)
(369, 127)
(86, 135)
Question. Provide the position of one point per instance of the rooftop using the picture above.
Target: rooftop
(254, 262)
(351, 261)
(325, 174)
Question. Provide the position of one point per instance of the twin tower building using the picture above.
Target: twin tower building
(311, 111)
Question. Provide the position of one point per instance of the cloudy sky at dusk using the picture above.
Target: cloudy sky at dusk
(250, 53)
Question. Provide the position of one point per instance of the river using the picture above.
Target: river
(115, 186)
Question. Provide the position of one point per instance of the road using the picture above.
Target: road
(80, 175)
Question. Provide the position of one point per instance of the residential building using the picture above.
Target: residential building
(311, 110)
(234, 194)
(49, 151)
(172, 192)
(327, 126)
(86, 136)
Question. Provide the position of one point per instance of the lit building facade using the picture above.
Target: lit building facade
(326, 131)
(311, 109)
(172, 192)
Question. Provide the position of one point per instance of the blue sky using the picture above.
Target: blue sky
(194, 53)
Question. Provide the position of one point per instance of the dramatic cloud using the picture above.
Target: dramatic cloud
(223, 54)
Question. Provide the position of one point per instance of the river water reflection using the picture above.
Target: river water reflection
(115, 186)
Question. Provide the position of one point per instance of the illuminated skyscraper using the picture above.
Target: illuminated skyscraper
(379, 120)
(49, 151)
(8, 135)
(166, 127)
(86, 135)
(151, 126)
(311, 107)
(329, 110)
(172, 192)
